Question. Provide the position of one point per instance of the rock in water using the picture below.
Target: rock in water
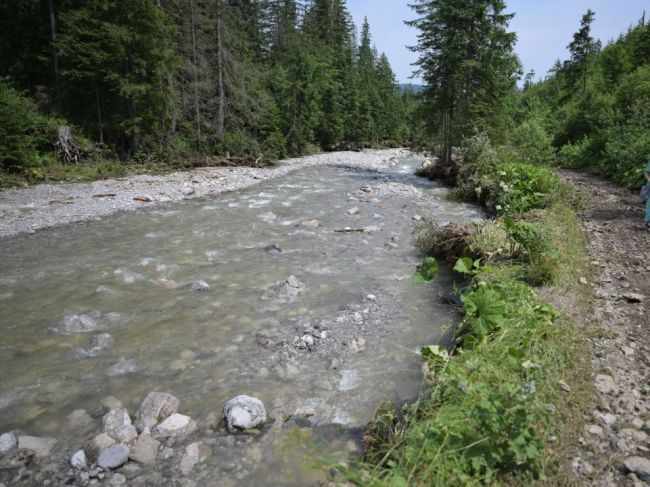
(78, 460)
(100, 344)
(201, 286)
(353, 211)
(80, 422)
(7, 443)
(117, 425)
(156, 407)
(176, 425)
(123, 367)
(311, 223)
(113, 457)
(285, 291)
(78, 323)
(40, 446)
(144, 450)
(273, 249)
(244, 412)
(639, 466)
(194, 454)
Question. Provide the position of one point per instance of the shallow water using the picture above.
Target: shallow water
(131, 275)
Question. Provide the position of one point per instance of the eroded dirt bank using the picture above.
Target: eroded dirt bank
(616, 447)
(48, 205)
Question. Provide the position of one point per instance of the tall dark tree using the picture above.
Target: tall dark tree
(581, 48)
(466, 59)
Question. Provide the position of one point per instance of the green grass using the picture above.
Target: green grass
(494, 412)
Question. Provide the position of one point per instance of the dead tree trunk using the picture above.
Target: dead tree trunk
(197, 113)
(66, 147)
(55, 56)
(221, 114)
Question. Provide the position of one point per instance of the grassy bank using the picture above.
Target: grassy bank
(503, 403)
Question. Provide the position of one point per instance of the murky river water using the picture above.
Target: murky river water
(132, 276)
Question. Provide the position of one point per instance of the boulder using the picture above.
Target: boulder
(113, 457)
(156, 407)
(78, 460)
(244, 412)
(117, 424)
(144, 450)
(7, 443)
(176, 425)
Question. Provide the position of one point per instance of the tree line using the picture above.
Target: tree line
(591, 111)
(255, 78)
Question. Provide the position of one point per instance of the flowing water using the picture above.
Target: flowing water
(131, 275)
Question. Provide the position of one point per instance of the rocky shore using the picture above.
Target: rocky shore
(48, 205)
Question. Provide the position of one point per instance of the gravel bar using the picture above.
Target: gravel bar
(47, 205)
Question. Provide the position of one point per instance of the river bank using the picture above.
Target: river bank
(46, 205)
(296, 291)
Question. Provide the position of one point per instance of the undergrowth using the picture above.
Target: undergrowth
(503, 402)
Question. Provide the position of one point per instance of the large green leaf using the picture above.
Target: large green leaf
(426, 271)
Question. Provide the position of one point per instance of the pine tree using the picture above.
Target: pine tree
(466, 59)
(115, 59)
(582, 47)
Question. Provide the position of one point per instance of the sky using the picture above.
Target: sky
(544, 28)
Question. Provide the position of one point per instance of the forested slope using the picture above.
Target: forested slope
(145, 80)
(595, 106)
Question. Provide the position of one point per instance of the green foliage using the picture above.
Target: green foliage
(466, 57)
(427, 271)
(597, 105)
(23, 131)
(522, 187)
(484, 312)
(532, 143)
(486, 419)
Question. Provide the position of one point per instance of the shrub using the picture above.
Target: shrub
(533, 145)
(23, 130)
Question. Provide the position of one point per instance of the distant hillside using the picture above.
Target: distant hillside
(411, 87)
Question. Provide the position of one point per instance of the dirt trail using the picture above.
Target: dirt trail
(616, 447)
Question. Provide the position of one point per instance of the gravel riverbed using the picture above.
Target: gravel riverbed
(48, 205)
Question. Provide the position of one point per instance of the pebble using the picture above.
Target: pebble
(606, 384)
(353, 211)
(117, 424)
(78, 460)
(639, 466)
